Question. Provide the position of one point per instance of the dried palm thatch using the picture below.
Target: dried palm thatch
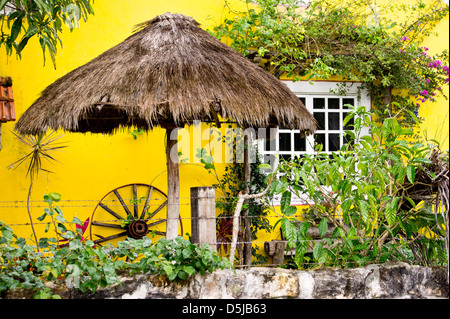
(169, 72)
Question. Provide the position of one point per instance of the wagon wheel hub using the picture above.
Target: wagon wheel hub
(138, 228)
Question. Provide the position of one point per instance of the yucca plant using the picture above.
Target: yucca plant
(40, 147)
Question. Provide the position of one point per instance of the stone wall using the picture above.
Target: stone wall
(375, 281)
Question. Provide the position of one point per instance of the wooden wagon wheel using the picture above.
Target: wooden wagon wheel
(133, 210)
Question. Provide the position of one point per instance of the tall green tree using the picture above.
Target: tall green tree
(21, 20)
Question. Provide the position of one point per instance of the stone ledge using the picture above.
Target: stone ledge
(398, 281)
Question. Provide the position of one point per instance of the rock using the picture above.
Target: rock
(399, 281)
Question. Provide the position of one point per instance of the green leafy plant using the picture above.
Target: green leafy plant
(366, 194)
(229, 186)
(21, 20)
(358, 40)
(177, 259)
(40, 148)
(88, 267)
(137, 132)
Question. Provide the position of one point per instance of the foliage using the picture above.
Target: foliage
(17, 262)
(86, 266)
(23, 19)
(229, 186)
(362, 194)
(231, 183)
(177, 259)
(40, 148)
(358, 40)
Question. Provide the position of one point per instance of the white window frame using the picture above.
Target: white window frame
(310, 90)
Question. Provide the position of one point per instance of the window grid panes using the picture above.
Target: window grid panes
(330, 112)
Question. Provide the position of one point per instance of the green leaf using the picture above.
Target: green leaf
(43, 242)
(189, 270)
(55, 197)
(2, 4)
(285, 200)
(291, 210)
(391, 211)
(364, 206)
(61, 228)
(22, 44)
(323, 227)
(7, 233)
(411, 173)
(289, 231)
(167, 269)
(303, 229)
(317, 250)
(15, 29)
(264, 166)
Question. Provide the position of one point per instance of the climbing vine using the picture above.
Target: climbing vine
(359, 40)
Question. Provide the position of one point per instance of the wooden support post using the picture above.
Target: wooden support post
(203, 216)
(173, 184)
(1, 136)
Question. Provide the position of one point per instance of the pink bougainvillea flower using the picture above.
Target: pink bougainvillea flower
(427, 80)
(424, 92)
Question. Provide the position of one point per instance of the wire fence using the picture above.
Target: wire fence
(259, 245)
(89, 206)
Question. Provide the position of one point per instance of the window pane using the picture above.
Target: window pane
(319, 103)
(320, 118)
(333, 121)
(286, 157)
(350, 124)
(299, 143)
(348, 101)
(333, 103)
(348, 139)
(320, 139)
(303, 100)
(285, 141)
(270, 144)
(269, 159)
(334, 142)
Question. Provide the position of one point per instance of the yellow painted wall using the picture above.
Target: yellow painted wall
(93, 165)
(436, 114)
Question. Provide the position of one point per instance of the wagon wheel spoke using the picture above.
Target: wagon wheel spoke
(147, 200)
(122, 202)
(109, 210)
(103, 239)
(135, 201)
(106, 225)
(160, 233)
(157, 223)
(157, 210)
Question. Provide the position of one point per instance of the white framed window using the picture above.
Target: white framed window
(329, 109)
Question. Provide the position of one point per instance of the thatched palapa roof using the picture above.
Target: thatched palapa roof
(168, 71)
